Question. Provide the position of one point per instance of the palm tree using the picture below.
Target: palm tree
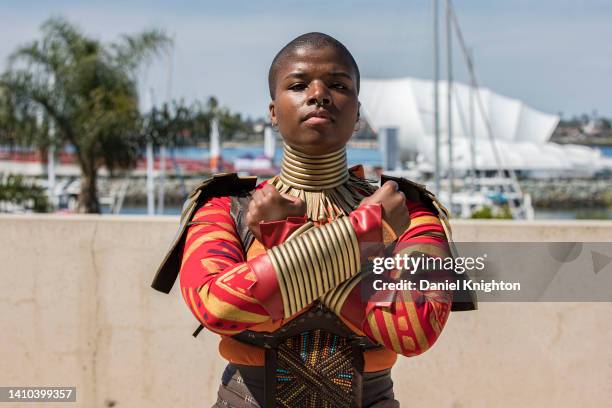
(20, 124)
(170, 125)
(89, 92)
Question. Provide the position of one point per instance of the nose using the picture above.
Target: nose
(319, 94)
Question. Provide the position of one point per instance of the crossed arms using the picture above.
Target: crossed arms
(229, 294)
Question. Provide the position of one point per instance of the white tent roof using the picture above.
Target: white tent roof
(521, 133)
(407, 103)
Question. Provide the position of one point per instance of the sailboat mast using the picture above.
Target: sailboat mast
(472, 121)
(436, 110)
(449, 99)
(150, 160)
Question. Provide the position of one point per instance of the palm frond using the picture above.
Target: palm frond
(134, 50)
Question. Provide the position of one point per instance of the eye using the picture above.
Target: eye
(338, 85)
(297, 87)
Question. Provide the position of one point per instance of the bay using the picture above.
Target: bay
(355, 155)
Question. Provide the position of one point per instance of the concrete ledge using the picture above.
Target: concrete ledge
(77, 310)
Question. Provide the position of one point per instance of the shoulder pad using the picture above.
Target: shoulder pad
(219, 185)
(462, 299)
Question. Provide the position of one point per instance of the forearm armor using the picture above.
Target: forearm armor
(308, 265)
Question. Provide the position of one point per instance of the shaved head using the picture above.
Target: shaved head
(308, 40)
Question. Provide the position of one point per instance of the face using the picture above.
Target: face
(316, 105)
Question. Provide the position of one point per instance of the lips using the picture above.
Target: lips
(318, 117)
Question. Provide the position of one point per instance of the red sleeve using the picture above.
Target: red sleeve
(408, 322)
(226, 293)
(214, 277)
(274, 233)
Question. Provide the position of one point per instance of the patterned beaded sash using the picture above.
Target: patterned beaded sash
(315, 369)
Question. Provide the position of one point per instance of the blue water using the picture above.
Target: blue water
(363, 156)
(606, 150)
(370, 157)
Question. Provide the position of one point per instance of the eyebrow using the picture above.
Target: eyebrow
(301, 75)
(297, 75)
(341, 74)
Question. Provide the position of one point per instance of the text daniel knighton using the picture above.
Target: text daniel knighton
(467, 284)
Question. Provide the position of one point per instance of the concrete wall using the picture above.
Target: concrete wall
(76, 309)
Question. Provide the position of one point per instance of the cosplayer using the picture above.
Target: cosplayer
(281, 270)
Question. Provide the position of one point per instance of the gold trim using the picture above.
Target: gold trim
(391, 331)
(281, 281)
(300, 230)
(416, 324)
(300, 268)
(317, 282)
(298, 294)
(323, 182)
(335, 229)
(335, 251)
(324, 261)
(331, 253)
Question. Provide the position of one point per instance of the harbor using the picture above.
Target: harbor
(567, 198)
(133, 277)
(483, 153)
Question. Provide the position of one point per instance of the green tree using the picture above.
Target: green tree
(229, 123)
(89, 91)
(170, 125)
(16, 190)
(21, 124)
(486, 212)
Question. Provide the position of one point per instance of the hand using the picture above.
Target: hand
(393, 204)
(267, 204)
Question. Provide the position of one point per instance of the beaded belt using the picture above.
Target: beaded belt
(312, 361)
(243, 387)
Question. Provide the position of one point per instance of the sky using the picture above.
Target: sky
(554, 55)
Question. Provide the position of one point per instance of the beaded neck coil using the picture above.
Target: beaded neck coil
(323, 182)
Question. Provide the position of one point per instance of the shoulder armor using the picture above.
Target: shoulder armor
(219, 185)
(462, 299)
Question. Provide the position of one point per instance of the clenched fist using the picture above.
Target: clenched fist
(393, 204)
(267, 204)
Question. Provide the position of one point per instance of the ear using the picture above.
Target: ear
(358, 111)
(272, 111)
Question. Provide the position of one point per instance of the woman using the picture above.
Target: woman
(281, 272)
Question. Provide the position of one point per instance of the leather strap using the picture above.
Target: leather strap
(318, 317)
(239, 206)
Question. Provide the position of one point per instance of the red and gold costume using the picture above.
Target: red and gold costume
(232, 288)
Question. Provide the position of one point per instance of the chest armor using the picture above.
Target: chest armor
(312, 360)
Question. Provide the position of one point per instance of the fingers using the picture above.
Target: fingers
(268, 190)
(295, 201)
(270, 205)
(295, 206)
(400, 197)
(264, 195)
(290, 197)
(256, 198)
(392, 185)
(252, 212)
(382, 194)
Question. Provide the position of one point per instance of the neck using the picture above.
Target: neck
(313, 173)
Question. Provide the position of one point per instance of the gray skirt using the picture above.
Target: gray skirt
(243, 387)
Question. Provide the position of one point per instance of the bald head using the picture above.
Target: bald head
(308, 40)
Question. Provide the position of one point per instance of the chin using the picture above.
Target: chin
(317, 144)
(321, 141)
